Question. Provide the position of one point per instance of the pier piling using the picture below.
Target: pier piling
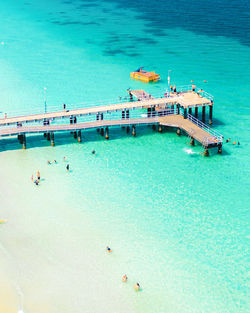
(160, 128)
(210, 114)
(192, 141)
(189, 110)
(196, 112)
(206, 152)
(75, 134)
(48, 136)
(79, 138)
(178, 131)
(106, 133)
(220, 149)
(102, 132)
(52, 141)
(203, 114)
(133, 131)
(24, 141)
(128, 129)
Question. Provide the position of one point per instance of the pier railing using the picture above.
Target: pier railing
(215, 136)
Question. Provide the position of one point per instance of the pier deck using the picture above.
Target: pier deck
(168, 110)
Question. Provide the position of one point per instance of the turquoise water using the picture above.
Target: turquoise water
(177, 222)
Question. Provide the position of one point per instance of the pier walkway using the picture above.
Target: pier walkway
(168, 110)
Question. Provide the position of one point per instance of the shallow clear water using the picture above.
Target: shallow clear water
(177, 222)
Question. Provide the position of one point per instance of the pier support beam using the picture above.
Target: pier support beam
(210, 114)
(128, 129)
(52, 139)
(79, 136)
(178, 131)
(160, 128)
(220, 149)
(178, 109)
(206, 152)
(133, 130)
(203, 114)
(196, 112)
(149, 112)
(102, 131)
(24, 141)
(192, 141)
(185, 113)
(106, 133)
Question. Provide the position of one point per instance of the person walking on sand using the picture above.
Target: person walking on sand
(38, 175)
(124, 278)
(67, 167)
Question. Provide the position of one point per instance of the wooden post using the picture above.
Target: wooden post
(178, 108)
(192, 141)
(149, 112)
(206, 152)
(210, 114)
(24, 141)
(79, 136)
(185, 113)
(178, 131)
(52, 139)
(133, 130)
(203, 114)
(159, 128)
(196, 112)
(106, 133)
(220, 149)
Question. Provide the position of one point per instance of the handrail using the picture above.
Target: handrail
(209, 130)
(108, 117)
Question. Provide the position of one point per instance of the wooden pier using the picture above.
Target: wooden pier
(179, 110)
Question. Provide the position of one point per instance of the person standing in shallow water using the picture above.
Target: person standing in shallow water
(38, 175)
(67, 167)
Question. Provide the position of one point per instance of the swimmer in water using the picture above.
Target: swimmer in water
(48, 162)
(108, 249)
(137, 287)
(55, 161)
(238, 143)
(64, 159)
(67, 167)
(124, 278)
(227, 141)
(93, 151)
